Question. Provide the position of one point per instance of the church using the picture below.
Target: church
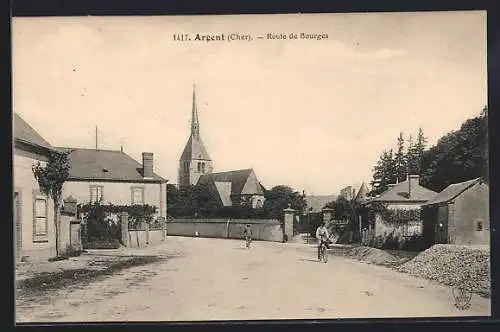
(234, 188)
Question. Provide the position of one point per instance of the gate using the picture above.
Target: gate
(101, 233)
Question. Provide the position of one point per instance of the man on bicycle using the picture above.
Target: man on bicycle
(322, 236)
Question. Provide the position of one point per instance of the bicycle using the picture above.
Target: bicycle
(248, 241)
(323, 254)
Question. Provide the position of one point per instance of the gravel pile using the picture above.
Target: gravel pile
(458, 266)
(373, 256)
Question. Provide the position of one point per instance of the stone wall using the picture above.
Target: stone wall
(263, 230)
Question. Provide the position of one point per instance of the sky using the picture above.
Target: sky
(311, 114)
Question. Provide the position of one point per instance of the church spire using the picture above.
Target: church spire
(195, 125)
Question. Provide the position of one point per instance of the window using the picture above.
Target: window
(137, 195)
(203, 167)
(186, 166)
(199, 167)
(40, 222)
(259, 204)
(95, 193)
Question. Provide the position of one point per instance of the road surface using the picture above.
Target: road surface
(211, 279)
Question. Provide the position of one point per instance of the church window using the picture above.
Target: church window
(259, 204)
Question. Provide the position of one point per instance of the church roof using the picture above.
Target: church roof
(195, 149)
(238, 180)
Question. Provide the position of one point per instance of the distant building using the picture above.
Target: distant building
(361, 196)
(316, 203)
(459, 214)
(348, 193)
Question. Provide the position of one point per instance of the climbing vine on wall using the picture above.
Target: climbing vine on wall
(393, 216)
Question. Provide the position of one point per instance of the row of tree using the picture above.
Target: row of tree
(394, 164)
(203, 201)
(457, 156)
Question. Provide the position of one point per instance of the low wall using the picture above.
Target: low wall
(140, 238)
(262, 229)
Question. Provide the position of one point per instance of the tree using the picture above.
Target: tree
(192, 201)
(279, 198)
(400, 159)
(51, 179)
(415, 152)
(383, 173)
(459, 155)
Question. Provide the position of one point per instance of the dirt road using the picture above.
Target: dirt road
(210, 279)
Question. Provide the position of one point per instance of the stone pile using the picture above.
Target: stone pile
(467, 267)
(373, 256)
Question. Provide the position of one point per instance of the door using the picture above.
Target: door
(441, 227)
(18, 225)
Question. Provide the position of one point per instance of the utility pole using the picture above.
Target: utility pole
(96, 137)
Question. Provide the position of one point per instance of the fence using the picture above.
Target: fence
(262, 229)
(143, 234)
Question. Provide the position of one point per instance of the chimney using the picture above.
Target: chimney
(413, 182)
(147, 164)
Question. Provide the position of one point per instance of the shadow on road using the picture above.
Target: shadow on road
(308, 260)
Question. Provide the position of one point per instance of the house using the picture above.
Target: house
(403, 196)
(459, 214)
(114, 177)
(235, 187)
(33, 212)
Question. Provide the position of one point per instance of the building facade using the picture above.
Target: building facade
(113, 177)
(459, 215)
(34, 229)
(406, 195)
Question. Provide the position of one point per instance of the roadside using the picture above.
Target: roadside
(36, 278)
(466, 267)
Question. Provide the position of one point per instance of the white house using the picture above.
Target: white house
(114, 177)
(34, 235)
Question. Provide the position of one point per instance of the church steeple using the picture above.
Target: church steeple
(194, 160)
(195, 125)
